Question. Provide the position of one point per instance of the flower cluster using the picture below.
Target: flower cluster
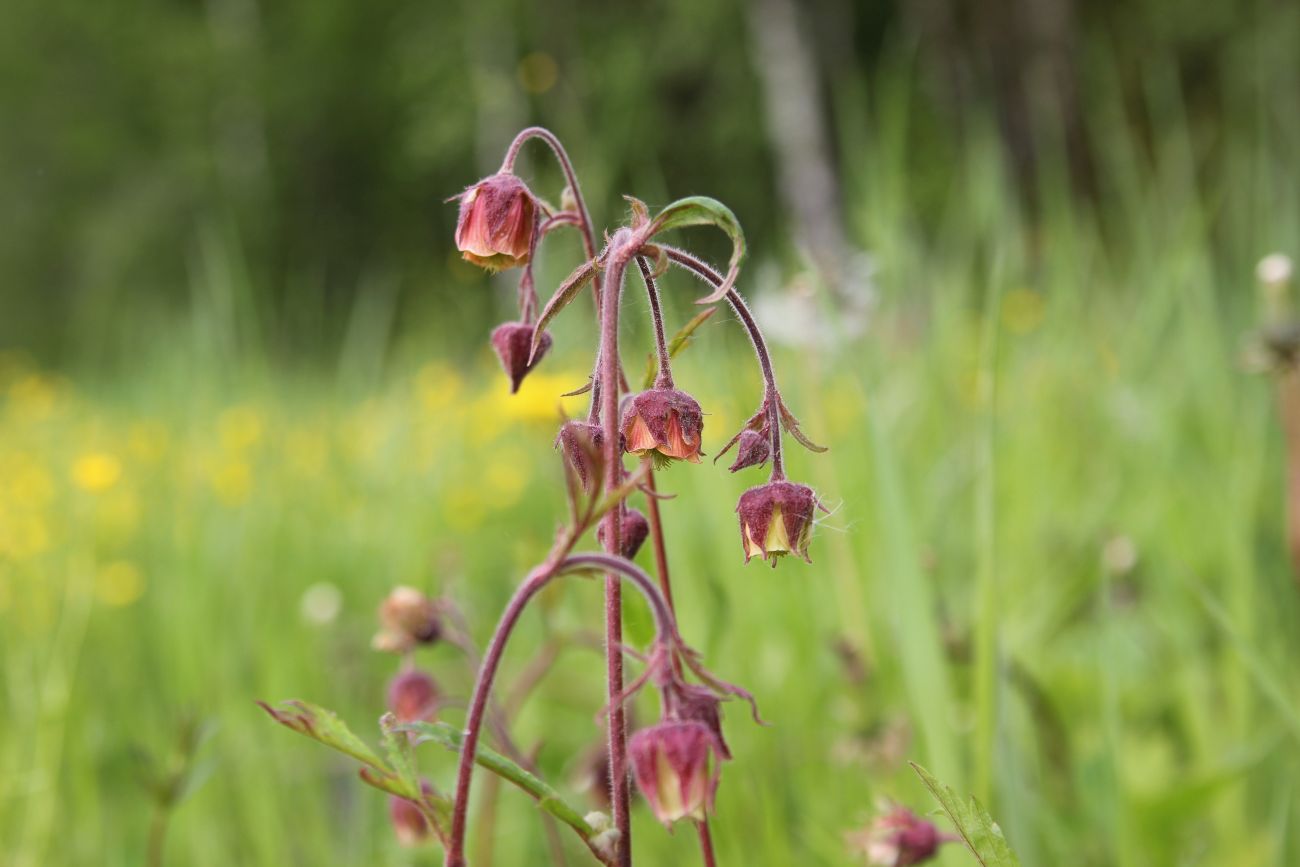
(675, 762)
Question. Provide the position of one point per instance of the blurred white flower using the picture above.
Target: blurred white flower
(320, 604)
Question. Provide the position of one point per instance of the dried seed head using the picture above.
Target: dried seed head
(752, 449)
(413, 696)
(582, 444)
(634, 533)
(898, 838)
(776, 519)
(675, 765)
(513, 342)
(663, 421)
(407, 617)
(497, 218)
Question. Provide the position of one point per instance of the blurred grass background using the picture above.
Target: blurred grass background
(246, 391)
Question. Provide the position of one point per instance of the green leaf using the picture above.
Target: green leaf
(567, 292)
(679, 341)
(323, 725)
(978, 831)
(547, 797)
(704, 211)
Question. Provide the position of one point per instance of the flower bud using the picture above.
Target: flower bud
(582, 444)
(413, 696)
(407, 617)
(634, 533)
(675, 768)
(513, 342)
(898, 838)
(663, 421)
(497, 219)
(752, 449)
(409, 824)
(776, 519)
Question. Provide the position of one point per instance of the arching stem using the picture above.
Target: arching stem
(771, 395)
(665, 377)
(616, 568)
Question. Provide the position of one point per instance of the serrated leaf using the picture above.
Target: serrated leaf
(977, 829)
(704, 211)
(547, 797)
(567, 292)
(324, 725)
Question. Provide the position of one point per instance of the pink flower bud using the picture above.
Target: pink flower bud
(664, 421)
(407, 617)
(635, 531)
(409, 824)
(496, 224)
(582, 444)
(513, 342)
(752, 449)
(776, 519)
(898, 838)
(675, 765)
(413, 696)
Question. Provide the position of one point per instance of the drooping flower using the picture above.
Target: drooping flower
(498, 216)
(676, 767)
(663, 421)
(898, 838)
(413, 696)
(635, 530)
(407, 617)
(513, 342)
(776, 519)
(582, 444)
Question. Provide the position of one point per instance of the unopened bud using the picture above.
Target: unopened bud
(752, 449)
(635, 530)
(513, 343)
(413, 696)
(407, 617)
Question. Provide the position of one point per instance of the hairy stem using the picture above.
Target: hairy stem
(665, 377)
(772, 394)
(608, 381)
(706, 842)
(615, 567)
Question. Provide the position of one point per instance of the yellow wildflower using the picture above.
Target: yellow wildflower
(96, 472)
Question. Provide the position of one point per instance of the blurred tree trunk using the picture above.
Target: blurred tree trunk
(797, 124)
(1022, 54)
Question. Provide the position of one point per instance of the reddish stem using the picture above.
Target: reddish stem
(772, 396)
(665, 377)
(706, 842)
(616, 568)
(608, 381)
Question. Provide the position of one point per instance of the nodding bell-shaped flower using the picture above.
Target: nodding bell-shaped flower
(513, 342)
(407, 617)
(409, 824)
(675, 765)
(635, 530)
(776, 519)
(413, 696)
(752, 449)
(898, 838)
(498, 216)
(663, 421)
(582, 444)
